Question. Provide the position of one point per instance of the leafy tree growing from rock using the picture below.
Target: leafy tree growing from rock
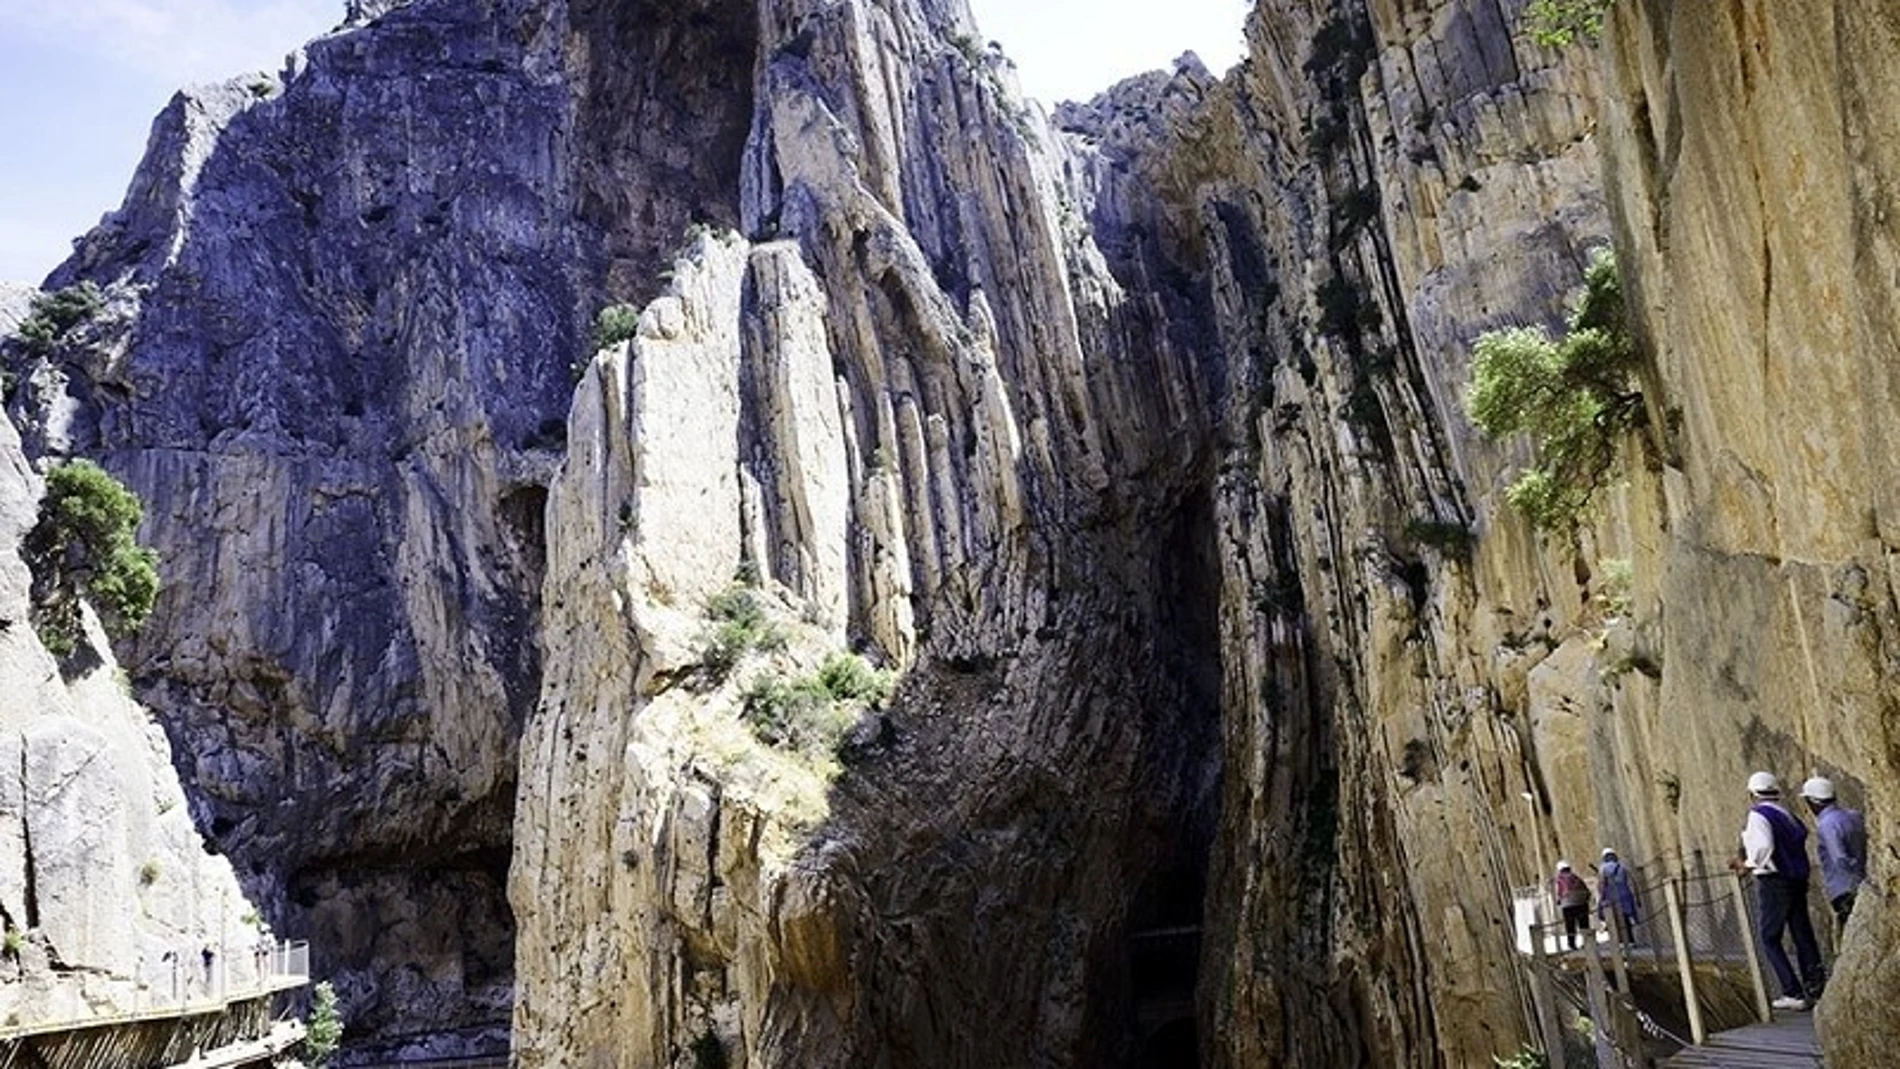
(324, 1030)
(84, 546)
(1572, 395)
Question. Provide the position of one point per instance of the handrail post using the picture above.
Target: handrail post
(1545, 995)
(1600, 1013)
(1618, 931)
(1684, 963)
(1750, 950)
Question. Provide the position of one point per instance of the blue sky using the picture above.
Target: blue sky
(83, 79)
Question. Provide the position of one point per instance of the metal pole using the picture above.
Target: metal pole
(1750, 950)
(1684, 964)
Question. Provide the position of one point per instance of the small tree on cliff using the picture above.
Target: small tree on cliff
(84, 546)
(324, 1031)
(1572, 395)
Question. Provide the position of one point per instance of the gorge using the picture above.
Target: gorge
(1231, 699)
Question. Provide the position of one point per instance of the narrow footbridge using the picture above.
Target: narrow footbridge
(1684, 988)
(191, 1018)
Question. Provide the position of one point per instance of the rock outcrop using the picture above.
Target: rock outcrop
(108, 897)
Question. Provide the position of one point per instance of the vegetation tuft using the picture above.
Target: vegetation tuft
(614, 324)
(1558, 23)
(52, 315)
(738, 626)
(324, 1031)
(813, 712)
(84, 546)
(1571, 395)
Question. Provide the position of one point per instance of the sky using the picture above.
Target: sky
(83, 79)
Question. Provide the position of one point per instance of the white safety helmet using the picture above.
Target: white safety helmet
(1563, 866)
(1818, 789)
(1609, 851)
(1764, 783)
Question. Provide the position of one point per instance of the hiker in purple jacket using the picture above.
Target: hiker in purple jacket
(1841, 841)
(1775, 851)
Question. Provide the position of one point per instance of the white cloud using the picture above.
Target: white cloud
(175, 42)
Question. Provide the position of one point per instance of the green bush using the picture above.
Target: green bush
(1525, 1058)
(324, 1030)
(13, 942)
(615, 323)
(796, 714)
(1572, 396)
(51, 315)
(1557, 23)
(738, 626)
(149, 872)
(84, 546)
(849, 678)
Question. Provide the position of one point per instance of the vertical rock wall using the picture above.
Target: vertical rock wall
(108, 897)
(1751, 176)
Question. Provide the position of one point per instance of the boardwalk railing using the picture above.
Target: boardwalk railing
(1688, 966)
(184, 982)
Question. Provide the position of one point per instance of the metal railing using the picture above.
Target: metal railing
(1690, 961)
(185, 982)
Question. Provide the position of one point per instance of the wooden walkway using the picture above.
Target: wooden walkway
(1788, 1043)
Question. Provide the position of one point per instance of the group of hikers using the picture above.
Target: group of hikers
(1774, 851)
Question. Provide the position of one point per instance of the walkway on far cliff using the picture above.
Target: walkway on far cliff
(222, 1022)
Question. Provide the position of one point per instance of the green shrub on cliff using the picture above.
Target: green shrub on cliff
(51, 315)
(84, 546)
(324, 1030)
(1572, 395)
(615, 323)
(738, 625)
(1556, 23)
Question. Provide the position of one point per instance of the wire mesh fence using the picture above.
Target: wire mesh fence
(1681, 964)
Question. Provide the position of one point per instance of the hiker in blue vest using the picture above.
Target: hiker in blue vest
(1616, 896)
(1841, 840)
(1775, 851)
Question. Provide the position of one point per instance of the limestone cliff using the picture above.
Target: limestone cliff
(1753, 167)
(1130, 436)
(108, 896)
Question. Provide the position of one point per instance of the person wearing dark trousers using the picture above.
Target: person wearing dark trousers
(1775, 852)
(1840, 838)
(1573, 895)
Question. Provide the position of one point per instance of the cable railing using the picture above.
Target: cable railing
(1689, 961)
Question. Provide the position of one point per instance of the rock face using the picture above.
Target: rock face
(927, 417)
(107, 895)
(1133, 438)
(1764, 269)
(336, 366)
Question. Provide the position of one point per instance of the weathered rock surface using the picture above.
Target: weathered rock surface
(107, 893)
(1134, 438)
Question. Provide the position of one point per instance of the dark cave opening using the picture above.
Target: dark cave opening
(1163, 941)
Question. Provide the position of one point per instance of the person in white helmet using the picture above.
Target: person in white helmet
(1775, 852)
(1841, 840)
(1617, 896)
